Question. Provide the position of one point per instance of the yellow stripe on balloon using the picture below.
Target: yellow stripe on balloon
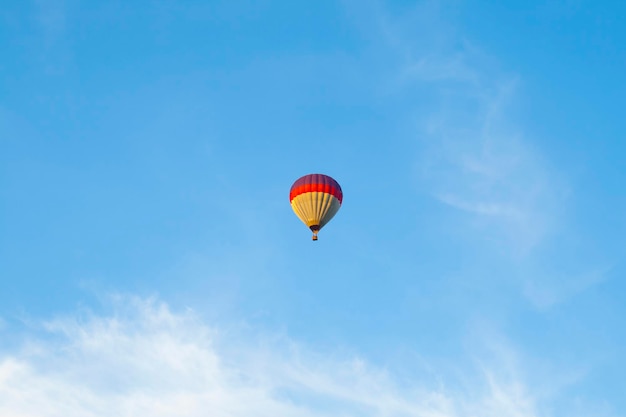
(315, 208)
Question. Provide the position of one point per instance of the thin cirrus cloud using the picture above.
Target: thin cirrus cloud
(493, 180)
(497, 191)
(474, 156)
(478, 162)
(145, 359)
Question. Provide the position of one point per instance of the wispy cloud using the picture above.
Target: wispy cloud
(474, 157)
(476, 161)
(145, 359)
(491, 175)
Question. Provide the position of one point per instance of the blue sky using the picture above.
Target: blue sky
(150, 263)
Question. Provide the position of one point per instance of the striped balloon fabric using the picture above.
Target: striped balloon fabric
(315, 198)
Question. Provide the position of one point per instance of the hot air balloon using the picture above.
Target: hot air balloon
(315, 198)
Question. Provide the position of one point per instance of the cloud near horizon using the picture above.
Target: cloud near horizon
(145, 359)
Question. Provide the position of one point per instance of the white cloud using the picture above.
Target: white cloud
(476, 161)
(145, 359)
(498, 190)
(473, 157)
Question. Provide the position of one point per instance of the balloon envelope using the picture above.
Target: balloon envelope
(315, 198)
